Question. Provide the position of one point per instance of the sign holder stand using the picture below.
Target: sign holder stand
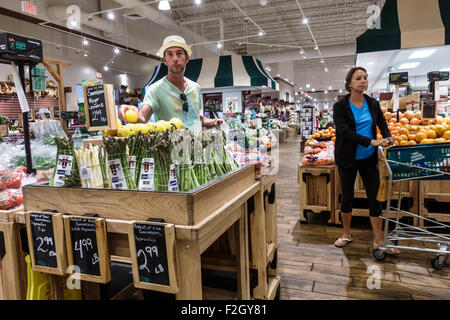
(102, 247)
(109, 106)
(171, 262)
(58, 234)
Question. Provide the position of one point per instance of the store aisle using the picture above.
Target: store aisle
(311, 267)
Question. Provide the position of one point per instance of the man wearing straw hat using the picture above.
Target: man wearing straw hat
(174, 95)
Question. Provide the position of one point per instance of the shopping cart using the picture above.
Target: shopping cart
(413, 162)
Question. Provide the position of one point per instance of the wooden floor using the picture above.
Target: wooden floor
(311, 267)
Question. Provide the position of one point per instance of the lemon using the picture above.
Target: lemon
(105, 133)
(160, 126)
(148, 127)
(139, 127)
(131, 116)
(177, 122)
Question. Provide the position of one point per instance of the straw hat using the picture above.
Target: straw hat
(174, 41)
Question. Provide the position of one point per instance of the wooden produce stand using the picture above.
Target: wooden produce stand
(434, 200)
(317, 191)
(281, 136)
(198, 219)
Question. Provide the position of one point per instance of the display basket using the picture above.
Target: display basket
(419, 162)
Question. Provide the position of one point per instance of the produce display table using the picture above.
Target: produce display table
(282, 136)
(198, 218)
(434, 200)
(317, 191)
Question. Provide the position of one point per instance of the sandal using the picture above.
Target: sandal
(342, 241)
(391, 251)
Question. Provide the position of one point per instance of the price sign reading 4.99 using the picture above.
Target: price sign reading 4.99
(46, 242)
(152, 255)
(87, 247)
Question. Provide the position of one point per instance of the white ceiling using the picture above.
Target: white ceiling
(333, 26)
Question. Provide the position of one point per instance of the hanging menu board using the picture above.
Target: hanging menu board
(152, 247)
(101, 110)
(429, 110)
(87, 247)
(45, 234)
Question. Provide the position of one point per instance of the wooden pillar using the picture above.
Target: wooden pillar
(243, 256)
(189, 270)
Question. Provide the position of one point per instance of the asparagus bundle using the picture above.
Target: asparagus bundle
(101, 159)
(201, 168)
(89, 167)
(135, 144)
(118, 163)
(145, 167)
(161, 148)
(66, 172)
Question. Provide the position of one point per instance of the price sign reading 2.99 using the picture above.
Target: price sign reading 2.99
(152, 253)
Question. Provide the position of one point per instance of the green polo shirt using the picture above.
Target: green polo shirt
(164, 98)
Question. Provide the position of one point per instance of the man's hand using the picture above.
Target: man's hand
(123, 108)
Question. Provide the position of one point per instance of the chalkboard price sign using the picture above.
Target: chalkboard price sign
(96, 106)
(87, 248)
(46, 242)
(99, 102)
(151, 246)
(429, 110)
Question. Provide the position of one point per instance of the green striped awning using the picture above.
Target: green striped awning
(223, 71)
(408, 24)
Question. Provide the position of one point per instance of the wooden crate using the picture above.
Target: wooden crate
(184, 208)
(282, 136)
(434, 199)
(410, 196)
(316, 190)
(93, 141)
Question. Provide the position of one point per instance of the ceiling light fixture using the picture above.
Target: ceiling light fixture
(305, 20)
(321, 61)
(110, 15)
(163, 5)
(329, 88)
(219, 45)
(370, 63)
(421, 53)
(326, 69)
(316, 48)
(85, 42)
(106, 68)
(263, 2)
(261, 33)
(85, 54)
(326, 91)
(198, 2)
(308, 85)
(411, 65)
(116, 50)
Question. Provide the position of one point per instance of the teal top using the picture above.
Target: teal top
(164, 98)
(364, 122)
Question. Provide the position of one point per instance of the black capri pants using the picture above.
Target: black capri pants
(368, 170)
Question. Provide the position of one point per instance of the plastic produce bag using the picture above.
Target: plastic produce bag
(43, 156)
(10, 198)
(12, 179)
(45, 130)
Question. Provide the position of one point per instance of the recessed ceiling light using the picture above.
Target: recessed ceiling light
(308, 85)
(85, 42)
(261, 33)
(316, 48)
(313, 90)
(85, 54)
(329, 88)
(326, 69)
(421, 53)
(198, 2)
(370, 63)
(164, 5)
(408, 65)
(110, 15)
(302, 52)
(321, 61)
(326, 91)
(219, 45)
(305, 20)
(340, 90)
(116, 50)
(106, 68)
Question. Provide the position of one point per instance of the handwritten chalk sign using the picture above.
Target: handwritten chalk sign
(429, 110)
(100, 107)
(45, 234)
(87, 247)
(152, 247)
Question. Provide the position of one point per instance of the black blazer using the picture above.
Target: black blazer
(346, 137)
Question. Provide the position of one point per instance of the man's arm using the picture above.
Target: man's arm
(143, 115)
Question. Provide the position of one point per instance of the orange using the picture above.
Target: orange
(418, 115)
(408, 115)
(411, 137)
(427, 141)
(388, 116)
(403, 137)
(431, 134)
(384, 109)
(404, 131)
(403, 143)
(440, 129)
(393, 120)
(404, 121)
(414, 121)
(440, 140)
(446, 135)
(411, 142)
(420, 136)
